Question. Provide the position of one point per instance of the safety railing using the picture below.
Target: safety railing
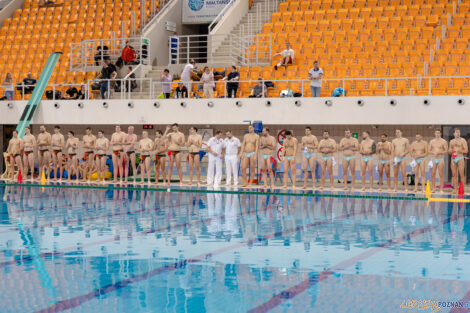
(385, 86)
(220, 49)
(130, 88)
(148, 88)
(88, 55)
(221, 15)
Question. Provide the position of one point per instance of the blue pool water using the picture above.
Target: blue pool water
(97, 250)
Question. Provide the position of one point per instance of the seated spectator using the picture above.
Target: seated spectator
(166, 80)
(28, 84)
(259, 90)
(181, 91)
(131, 82)
(81, 93)
(9, 90)
(287, 57)
(71, 93)
(107, 72)
(128, 56)
(232, 82)
(207, 81)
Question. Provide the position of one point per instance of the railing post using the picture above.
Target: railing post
(386, 87)
(430, 83)
(302, 87)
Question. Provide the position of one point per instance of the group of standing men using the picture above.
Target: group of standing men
(389, 154)
(57, 154)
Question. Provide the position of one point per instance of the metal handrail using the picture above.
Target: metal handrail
(153, 85)
(221, 15)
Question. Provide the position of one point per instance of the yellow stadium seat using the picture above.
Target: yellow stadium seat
(348, 4)
(389, 11)
(341, 14)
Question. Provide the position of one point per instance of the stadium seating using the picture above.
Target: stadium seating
(32, 33)
(385, 38)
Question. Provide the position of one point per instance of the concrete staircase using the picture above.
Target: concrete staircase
(231, 49)
(143, 87)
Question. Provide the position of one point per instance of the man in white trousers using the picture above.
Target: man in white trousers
(232, 149)
(215, 151)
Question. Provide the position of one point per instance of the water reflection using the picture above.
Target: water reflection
(241, 248)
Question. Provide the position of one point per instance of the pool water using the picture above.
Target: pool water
(112, 250)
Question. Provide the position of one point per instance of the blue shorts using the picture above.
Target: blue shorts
(437, 161)
(419, 160)
(308, 155)
(457, 159)
(266, 156)
(249, 154)
(349, 158)
(326, 158)
(366, 159)
(383, 162)
(289, 157)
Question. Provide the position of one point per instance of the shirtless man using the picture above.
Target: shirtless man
(117, 145)
(71, 146)
(419, 152)
(267, 146)
(58, 143)
(384, 153)
(176, 142)
(400, 148)
(349, 145)
(89, 141)
(44, 157)
(249, 154)
(130, 140)
(457, 149)
(367, 150)
(290, 149)
(326, 147)
(101, 148)
(438, 148)
(194, 145)
(161, 147)
(29, 142)
(145, 147)
(15, 147)
(309, 144)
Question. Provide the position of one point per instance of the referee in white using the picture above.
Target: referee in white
(232, 149)
(215, 149)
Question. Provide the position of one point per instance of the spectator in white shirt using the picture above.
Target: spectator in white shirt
(207, 81)
(315, 75)
(232, 149)
(287, 57)
(215, 151)
(187, 73)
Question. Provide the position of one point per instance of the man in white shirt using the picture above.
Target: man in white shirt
(232, 149)
(287, 57)
(315, 75)
(186, 74)
(215, 151)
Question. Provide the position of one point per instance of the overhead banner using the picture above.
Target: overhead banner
(202, 11)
